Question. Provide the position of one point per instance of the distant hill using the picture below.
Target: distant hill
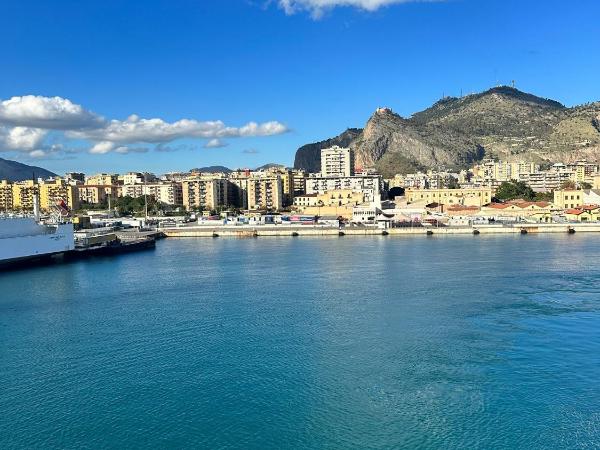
(213, 169)
(270, 166)
(15, 171)
(454, 133)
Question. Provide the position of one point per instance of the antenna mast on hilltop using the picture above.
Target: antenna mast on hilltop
(513, 84)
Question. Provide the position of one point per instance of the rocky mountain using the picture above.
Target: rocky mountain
(308, 157)
(15, 171)
(454, 133)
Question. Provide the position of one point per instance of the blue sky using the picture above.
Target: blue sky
(300, 74)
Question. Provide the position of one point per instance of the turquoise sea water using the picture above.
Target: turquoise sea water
(463, 342)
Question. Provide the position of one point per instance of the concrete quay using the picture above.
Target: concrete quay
(307, 230)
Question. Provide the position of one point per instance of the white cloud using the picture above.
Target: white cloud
(215, 143)
(21, 138)
(50, 113)
(318, 7)
(102, 147)
(37, 154)
(135, 129)
(26, 120)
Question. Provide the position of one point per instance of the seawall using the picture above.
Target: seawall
(306, 230)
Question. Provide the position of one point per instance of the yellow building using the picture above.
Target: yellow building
(585, 213)
(287, 182)
(102, 179)
(287, 185)
(204, 193)
(342, 197)
(265, 193)
(95, 194)
(23, 193)
(53, 192)
(330, 203)
(467, 197)
(6, 196)
(568, 198)
(538, 211)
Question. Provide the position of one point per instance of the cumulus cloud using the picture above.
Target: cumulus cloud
(26, 120)
(318, 7)
(135, 129)
(215, 143)
(50, 113)
(21, 138)
(102, 147)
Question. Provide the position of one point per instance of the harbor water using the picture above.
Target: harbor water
(477, 342)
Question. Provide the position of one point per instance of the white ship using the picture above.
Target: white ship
(26, 238)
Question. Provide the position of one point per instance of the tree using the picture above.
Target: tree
(568, 185)
(452, 183)
(510, 190)
(544, 196)
(395, 192)
(585, 185)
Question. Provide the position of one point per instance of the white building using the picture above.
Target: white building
(370, 185)
(337, 162)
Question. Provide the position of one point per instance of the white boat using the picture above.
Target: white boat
(24, 238)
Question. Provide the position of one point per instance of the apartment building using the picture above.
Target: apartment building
(23, 193)
(337, 162)
(132, 178)
(205, 193)
(95, 194)
(54, 192)
(546, 181)
(265, 193)
(168, 193)
(102, 179)
(76, 177)
(237, 194)
(492, 173)
(6, 196)
(299, 182)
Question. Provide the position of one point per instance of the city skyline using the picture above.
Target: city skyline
(242, 84)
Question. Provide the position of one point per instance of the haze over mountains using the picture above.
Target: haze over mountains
(454, 133)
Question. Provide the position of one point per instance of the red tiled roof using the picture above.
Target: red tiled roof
(462, 208)
(589, 207)
(574, 212)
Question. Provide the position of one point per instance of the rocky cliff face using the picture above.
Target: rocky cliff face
(456, 132)
(308, 157)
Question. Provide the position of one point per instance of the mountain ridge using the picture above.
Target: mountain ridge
(16, 171)
(455, 133)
